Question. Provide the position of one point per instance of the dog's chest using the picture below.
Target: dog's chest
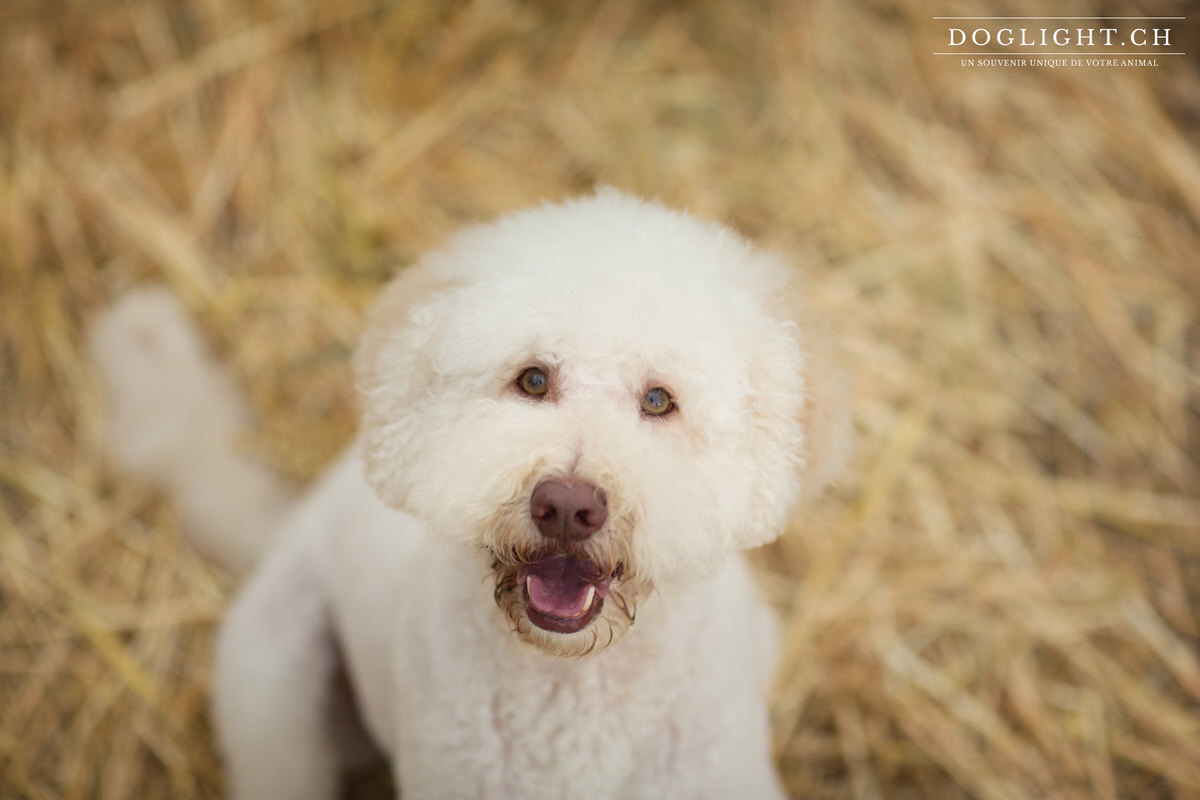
(576, 730)
(481, 714)
(517, 723)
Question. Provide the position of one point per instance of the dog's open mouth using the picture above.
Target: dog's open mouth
(563, 594)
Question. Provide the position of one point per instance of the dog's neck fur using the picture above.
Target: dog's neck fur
(686, 652)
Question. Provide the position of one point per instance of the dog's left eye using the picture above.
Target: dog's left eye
(657, 402)
(534, 382)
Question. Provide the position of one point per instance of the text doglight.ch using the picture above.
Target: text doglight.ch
(1060, 37)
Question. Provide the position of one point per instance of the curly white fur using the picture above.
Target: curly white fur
(402, 568)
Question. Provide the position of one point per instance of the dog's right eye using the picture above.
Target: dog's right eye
(533, 382)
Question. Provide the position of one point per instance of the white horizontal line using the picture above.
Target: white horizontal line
(1049, 55)
(1060, 17)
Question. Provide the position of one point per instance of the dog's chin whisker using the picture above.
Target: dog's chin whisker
(623, 606)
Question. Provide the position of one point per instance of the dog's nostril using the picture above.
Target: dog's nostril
(568, 511)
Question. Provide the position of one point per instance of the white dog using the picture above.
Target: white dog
(525, 579)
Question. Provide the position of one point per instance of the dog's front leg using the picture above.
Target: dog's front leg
(276, 663)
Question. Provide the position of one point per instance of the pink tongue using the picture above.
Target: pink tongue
(557, 597)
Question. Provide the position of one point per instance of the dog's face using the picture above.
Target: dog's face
(605, 397)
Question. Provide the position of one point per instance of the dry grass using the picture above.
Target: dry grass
(1002, 599)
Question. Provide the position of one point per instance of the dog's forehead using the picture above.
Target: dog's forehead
(598, 322)
(608, 279)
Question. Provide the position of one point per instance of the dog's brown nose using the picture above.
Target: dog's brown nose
(568, 511)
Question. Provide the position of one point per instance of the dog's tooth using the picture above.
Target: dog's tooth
(591, 594)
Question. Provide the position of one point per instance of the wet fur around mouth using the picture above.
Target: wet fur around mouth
(610, 616)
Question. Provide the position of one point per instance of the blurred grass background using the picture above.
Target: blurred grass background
(1000, 601)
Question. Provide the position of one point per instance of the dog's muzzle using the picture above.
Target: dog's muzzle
(563, 591)
(557, 576)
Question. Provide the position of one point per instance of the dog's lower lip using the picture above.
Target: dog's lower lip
(582, 597)
(563, 594)
(559, 624)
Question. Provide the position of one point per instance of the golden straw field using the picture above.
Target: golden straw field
(1001, 599)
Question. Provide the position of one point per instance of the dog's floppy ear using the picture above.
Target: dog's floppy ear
(393, 367)
(825, 414)
(395, 328)
(828, 431)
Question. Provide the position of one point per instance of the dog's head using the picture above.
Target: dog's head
(606, 397)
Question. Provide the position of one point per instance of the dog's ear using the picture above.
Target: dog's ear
(828, 431)
(825, 413)
(396, 327)
(393, 367)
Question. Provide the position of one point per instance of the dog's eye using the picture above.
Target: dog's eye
(657, 402)
(533, 382)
